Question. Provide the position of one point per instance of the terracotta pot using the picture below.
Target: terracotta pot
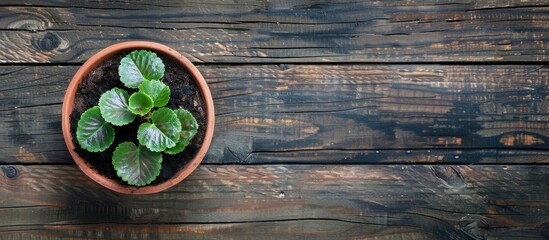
(68, 104)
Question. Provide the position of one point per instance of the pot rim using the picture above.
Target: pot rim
(90, 64)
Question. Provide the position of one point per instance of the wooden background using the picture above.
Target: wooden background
(337, 119)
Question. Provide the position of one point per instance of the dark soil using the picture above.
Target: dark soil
(184, 94)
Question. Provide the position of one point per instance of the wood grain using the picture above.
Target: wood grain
(324, 113)
(30, 111)
(282, 31)
(335, 146)
(289, 201)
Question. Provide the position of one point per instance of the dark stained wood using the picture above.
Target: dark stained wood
(293, 229)
(324, 113)
(30, 111)
(281, 30)
(338, 145)
(285, 201)
(228, 6)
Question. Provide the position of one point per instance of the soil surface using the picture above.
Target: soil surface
(184, 94)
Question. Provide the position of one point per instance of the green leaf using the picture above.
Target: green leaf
(157, 90)
(162, 133)
(188, 122)
(93, 132)
(139, 66)
(140, 103)
(184, 140)
(136, 165)
(189, 128)
(114, 107)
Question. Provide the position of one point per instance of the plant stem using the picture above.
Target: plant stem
(147, 117)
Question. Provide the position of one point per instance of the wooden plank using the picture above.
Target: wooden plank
(324, 113)
(30, 111)
(282, 31)
(229, 6)
(329, 112)
(298, 229)
(293, 229)
(288, 201)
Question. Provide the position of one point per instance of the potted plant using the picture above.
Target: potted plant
(138, 117)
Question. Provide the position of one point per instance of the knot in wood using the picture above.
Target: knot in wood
(48, 42)
(31, 25)
(451, 177)
(9, 171)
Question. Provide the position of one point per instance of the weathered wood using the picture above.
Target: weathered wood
(282, 31)
(288, 201)
(30, 111)
(324, 113)
(229, 6)
(458, 114)
(293, 229)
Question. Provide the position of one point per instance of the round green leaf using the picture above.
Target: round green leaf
(189, 128)
(140, 103)
(162, 133)
(136, 165)
(157, 90)
(93, 132)
(139, 66)
(114, 107)
(188, 122)
(185, 137)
